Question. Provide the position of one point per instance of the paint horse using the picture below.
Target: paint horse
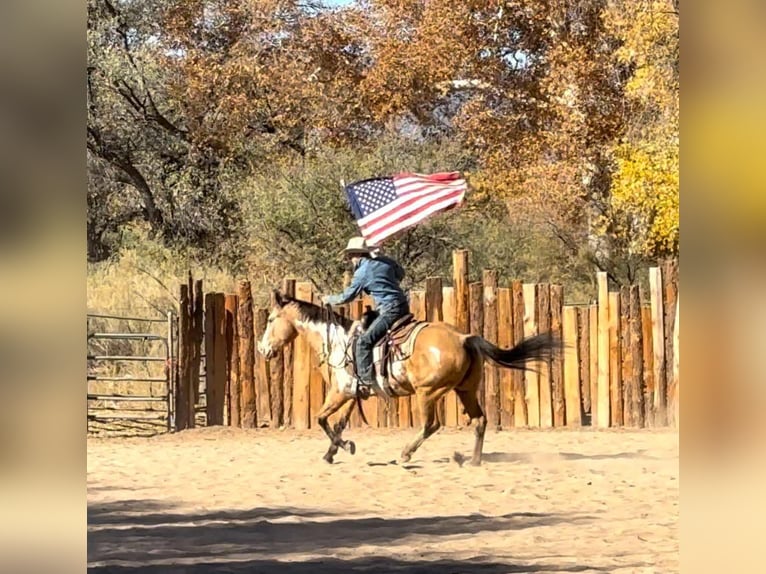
(441, 359)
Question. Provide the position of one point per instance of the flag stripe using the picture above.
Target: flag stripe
(412, 216)
(406, 204)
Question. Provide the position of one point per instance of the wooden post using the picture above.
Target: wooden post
(232, 360)
(418, 310)
(658, 341)
(520, 411)
(288, 288)
(615, 371)
(603, 413)
(491, 374)
(626, 360)
(215, 353)
(462, 297)
(451, 413)
(544, 325)
(648, 379)
(583, 349)
(593, 360)
(531, 378)
(302, 368)
(246, 356)
(557, 364)
(210, 359)
(198, 315)
(505, 341)
(571, 372)
(435, 312)
(670, 296)
(184, 350)
(262, 372)
(637, 355)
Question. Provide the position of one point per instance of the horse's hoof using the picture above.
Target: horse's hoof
(351, 447)
(405, 457)
(328, 458)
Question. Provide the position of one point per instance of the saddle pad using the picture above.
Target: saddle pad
(404, 342)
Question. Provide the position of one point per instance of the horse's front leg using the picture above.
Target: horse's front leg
(334, 401)
(347, 445)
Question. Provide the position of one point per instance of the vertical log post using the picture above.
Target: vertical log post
(626, 360)
(462, 297)
(593, 360)
(491, 374)
(520, 411)
(544, 325)
(215, 358)
(505, 341)
(583, 348)
(615, 371)
(246, 336)
(658, 340)
(637, 355)
(557, 363)
(197, 340)
(232, 361)
(531, 378)
(648, 379)
(183, 390)
(571, 366)
(603, 412)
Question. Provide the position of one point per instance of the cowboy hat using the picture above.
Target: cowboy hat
(356, 246)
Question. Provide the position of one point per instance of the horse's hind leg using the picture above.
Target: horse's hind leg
(473, 410)
(431, 424)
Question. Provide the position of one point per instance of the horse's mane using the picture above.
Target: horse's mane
(317, 313)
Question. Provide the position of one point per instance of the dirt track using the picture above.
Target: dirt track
(230, 500)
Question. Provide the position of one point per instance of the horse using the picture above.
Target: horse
(442, 359)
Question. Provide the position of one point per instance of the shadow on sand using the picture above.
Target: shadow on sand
(141, 537)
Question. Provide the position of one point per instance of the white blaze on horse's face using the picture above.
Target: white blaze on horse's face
(279, 331)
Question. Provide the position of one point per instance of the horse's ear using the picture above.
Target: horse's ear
(278, 300)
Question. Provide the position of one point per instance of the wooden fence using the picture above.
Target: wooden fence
(619, 368)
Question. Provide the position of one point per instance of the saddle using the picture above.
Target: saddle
(393, 347)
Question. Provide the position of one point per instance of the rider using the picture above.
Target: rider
(378, 276)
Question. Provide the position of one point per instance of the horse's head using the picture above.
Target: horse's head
(280, 328)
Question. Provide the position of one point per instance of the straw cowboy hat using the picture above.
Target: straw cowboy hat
(357, 246)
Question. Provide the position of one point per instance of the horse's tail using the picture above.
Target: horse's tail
(535, 348)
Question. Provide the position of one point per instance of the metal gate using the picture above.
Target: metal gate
(130, 374)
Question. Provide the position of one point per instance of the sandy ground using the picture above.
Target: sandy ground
(232, 500)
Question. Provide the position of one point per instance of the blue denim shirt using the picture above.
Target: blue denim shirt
(379, 277)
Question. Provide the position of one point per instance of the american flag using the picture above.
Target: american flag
(385, 205)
